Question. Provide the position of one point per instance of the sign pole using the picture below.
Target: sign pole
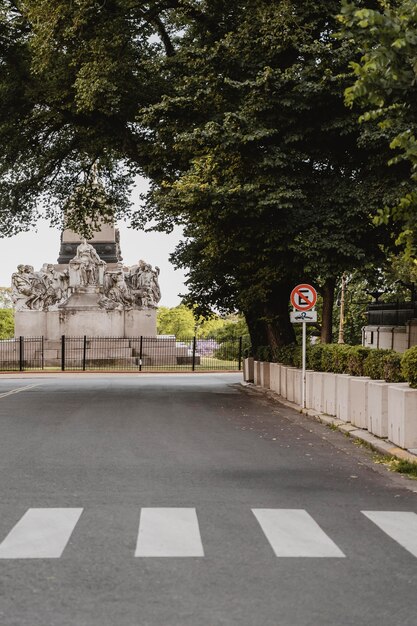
(303, 393)
(303, 298)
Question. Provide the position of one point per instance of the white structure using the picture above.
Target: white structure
(87, 296)
(398, 338)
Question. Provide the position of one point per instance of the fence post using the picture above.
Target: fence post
(63, 353)
(194, 348)
(21, 352)
(140, 353)
(240, 352)
(84, 351)
(43, 352)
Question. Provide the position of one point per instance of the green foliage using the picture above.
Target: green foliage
(6, 324)
(374, 365)
(409, 366)
(231, 348)
(385, 74)
(253, 133)
(315, 357)
(334, 358)
(356, 360)
(286, 354)
(224, 329)
(178, 321)
(233, 109)
(392, 368)
(184, 322)
(384, 365)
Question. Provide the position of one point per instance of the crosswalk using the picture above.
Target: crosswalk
(43, 533)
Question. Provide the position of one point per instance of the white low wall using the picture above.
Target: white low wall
(402, 415)
(378, 408)
(359, 401)
(385, 409)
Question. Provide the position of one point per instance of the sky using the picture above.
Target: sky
(42, 246)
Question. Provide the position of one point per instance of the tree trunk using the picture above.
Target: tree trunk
(269, 322)
(327, 314)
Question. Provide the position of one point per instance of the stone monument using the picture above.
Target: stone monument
(85, 294)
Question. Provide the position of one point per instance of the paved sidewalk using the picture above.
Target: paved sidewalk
(383, 446)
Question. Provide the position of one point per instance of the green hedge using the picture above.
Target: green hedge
(409, 366)
(354, 360)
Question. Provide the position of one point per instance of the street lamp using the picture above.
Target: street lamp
(341, 338)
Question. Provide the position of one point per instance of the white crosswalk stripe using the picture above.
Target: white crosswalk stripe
(43, 533)
(399, 525)
(294, 533)
(40, 534)
(169, 532)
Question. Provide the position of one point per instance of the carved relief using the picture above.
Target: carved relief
(39, 291)
(121, 288)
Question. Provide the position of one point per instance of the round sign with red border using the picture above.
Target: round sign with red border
(303, 297)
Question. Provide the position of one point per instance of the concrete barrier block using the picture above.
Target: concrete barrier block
(283, 380)
(265, 374)
(402, 415)
(309, 388)
(343, 397)
(257, 372)
(290, 383)
(378, 407)
(329, 393)
(248, 370)
(359, 401)
(275, 377)
(317, 391)
(298, 381)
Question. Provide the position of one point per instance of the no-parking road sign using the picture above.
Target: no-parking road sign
(303, 297)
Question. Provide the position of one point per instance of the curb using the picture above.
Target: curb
(383, 446)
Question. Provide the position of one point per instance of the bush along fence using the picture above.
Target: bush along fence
(161, 353)
(373, 389)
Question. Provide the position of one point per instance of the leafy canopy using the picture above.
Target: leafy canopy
(385, 87)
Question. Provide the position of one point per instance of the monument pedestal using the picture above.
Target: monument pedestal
(84, 320)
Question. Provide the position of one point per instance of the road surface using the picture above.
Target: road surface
(189, 500)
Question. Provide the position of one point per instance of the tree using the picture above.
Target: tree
(73, 76)
(178, 321)
(6, 323)
(259, 162)
(385, 87)
(235, 113)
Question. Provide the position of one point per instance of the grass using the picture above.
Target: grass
(401, 466)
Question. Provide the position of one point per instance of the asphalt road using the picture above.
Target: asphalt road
(188, 500)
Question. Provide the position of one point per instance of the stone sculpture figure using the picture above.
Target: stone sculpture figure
(121, 288)
(143, 284)
(86, 266)
(21, 288)
(117, 289)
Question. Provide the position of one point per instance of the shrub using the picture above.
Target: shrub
(409, 366)
(288, 355)
(335, 357)
(374, 365)
(356, 359)
(327, 355)
(340, 358)
(392, 368)
(314, 357)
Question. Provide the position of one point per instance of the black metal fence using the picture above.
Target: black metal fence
(141, 354)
